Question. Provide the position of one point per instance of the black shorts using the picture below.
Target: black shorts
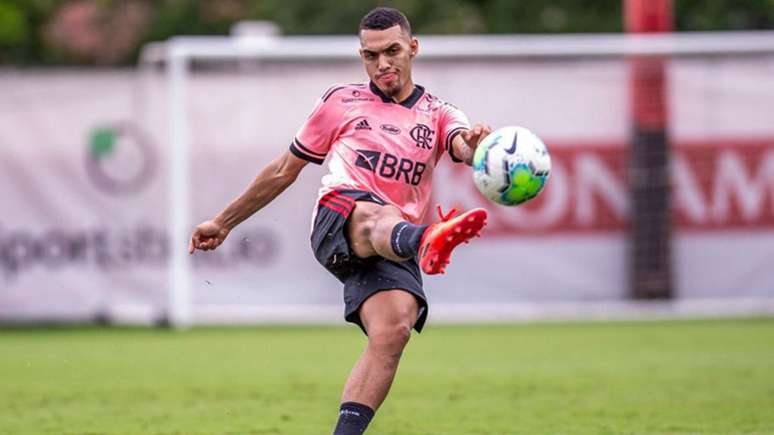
(361, 277)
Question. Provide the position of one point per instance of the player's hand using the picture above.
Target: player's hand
(475, 135)
(207, 236)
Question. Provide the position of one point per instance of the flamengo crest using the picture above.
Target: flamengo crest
(423, 136)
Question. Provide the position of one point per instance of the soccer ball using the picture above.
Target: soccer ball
(511, 166)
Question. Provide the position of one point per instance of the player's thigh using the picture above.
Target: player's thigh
(363, 221)
(389, 312)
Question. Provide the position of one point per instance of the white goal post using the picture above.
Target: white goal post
(178, 54)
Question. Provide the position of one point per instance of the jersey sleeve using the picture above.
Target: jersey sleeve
(453, 122)
(315, 137)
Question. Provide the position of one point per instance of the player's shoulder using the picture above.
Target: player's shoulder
(432, 103)
(342, 91)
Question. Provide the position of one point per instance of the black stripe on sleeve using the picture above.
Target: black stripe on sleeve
(449, 140)
(307, 150)
(298, 153)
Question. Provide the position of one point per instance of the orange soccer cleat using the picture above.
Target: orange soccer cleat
(440, 238)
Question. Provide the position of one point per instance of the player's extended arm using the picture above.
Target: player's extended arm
(464, 144)
(270, 182)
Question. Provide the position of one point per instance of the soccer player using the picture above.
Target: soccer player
(382, 139)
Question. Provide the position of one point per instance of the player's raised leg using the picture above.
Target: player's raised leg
(380, 230)
(376, 229)
(388, 317)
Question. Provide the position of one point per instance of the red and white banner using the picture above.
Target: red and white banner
(718, 186)
(84, 187)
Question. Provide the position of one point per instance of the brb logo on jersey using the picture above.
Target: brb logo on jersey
(423, 136)
(387, 165)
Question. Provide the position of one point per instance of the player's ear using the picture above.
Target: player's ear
(413, 47)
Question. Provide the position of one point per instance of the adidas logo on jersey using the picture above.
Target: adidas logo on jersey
(362, 125)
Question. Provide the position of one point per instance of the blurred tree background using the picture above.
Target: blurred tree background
(111, 32)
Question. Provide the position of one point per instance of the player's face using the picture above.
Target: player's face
(387, 55)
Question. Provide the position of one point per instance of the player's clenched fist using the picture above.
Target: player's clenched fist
(207, 235)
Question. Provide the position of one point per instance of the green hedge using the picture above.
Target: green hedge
(32, 31)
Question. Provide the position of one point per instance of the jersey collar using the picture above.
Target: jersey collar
(407, 103)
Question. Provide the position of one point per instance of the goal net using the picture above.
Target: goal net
(662, 184)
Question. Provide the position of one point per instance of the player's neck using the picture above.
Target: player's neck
(405, 92)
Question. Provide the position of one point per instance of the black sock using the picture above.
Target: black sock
(353, 419)
(405, 239)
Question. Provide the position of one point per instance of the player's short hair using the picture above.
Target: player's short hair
(383, 18)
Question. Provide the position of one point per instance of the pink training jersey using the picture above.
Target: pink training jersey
(377, 145)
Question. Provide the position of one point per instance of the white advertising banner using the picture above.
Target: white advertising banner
(84, 188)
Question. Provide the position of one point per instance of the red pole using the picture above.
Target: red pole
(648, 16)
(648, 80)
(650, 231)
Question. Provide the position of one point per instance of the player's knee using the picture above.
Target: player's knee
(390, 338)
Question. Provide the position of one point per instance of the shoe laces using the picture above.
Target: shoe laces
(447, 216)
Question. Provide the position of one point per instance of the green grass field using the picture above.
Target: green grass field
(594, 378)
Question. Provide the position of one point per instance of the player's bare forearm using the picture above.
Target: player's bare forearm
(462, 151)
(268, 184)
